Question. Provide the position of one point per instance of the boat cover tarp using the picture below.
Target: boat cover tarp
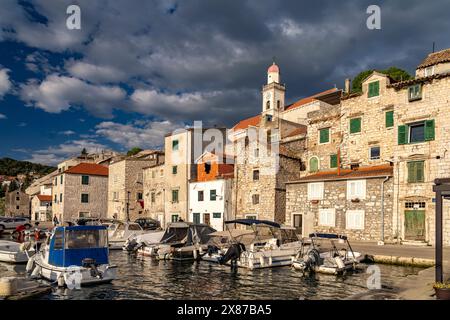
(199, 234)
(187, 233)
(328, 236)
(249, 222)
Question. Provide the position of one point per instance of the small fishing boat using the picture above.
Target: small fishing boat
(326, 253)
(119, 232)
(74, 255)
(181, 241)
(14, 252)
(254, 244)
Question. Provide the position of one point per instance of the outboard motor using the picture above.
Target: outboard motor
(91, 263)
(131, 245)
(233, 253)
(212, 249)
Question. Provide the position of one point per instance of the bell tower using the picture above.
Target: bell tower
(273, 94)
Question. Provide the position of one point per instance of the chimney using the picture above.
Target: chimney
(347, 86)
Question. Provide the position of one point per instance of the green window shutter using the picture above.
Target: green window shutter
(411, 172)
(324, 135)
(389, 119)
(429, 130)
(374, 89)
(419, 171)
(355, 125)
(333, 161)
(313, 164)
(402, 134)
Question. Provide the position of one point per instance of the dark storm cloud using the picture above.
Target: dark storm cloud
(206, 60)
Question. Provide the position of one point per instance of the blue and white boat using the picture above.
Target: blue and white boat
(75, 255)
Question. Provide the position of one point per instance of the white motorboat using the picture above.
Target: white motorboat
(268, 244)
(14, 252)
(181, 241)
(74, 256)
(133, 243)
(327, 253)
(119, 233)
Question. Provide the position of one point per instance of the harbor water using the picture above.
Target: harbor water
(146, 278)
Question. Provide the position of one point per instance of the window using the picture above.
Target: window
(174, 169)
(115, 196)
(196, 217)
(415, 171)
(207, 167)
(17, 207)
(354, 219)
(389, 119)
(313, 164)
(175, 145)
(268, 117)
(153, 197)
(355, 125)
(324, 135)
(212, 195)
(56, 199)
(85, 180)
(333, 161)
(56, 181)
(415, 205)
(374, 89)
(174, 218)
(297, 222)
(327, 217)
(139, 196)
(429, 71)
(255, 198)
(255, 175)
(175, 196)
(356, 189)
(374, 153)
(416, 132)
(84, 198)
(200, 196)
(315, 190)
(268, 104)
(161, 172)
(256, 153)
(415, 92)
(251, 216)
(217, 215)
(278, 104)
(17, 198)
(60, 197)
(61, 179)
(59, 236)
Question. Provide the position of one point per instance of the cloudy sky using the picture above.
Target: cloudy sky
(139, 69)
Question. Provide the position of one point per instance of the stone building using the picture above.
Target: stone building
(81, 191)
(41, 204)
(126, 185)
(17, 203)
(155, 195)
(269, 148)
(211, 194)
(182, 148)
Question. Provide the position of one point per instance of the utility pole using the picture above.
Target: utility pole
(128, 206)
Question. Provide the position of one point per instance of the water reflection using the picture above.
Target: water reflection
(144, 278)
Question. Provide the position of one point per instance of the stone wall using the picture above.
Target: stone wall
(154, 182)
(335, 196)
(17, 203)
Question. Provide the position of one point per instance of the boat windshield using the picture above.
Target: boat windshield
(79, 239)
(134, 226)
(288, 235)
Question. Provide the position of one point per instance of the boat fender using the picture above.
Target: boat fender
(61, 281)
(36, 272)
(339, 262)
(195, 253)
(30, 265)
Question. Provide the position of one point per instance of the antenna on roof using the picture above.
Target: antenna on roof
(274, 58)
(433, 46)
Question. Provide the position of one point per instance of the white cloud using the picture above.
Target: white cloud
(66, 150)
(2, 116)
(95, 73)
(5, 84)
(145, 135)
(67, 132)
(59, 93)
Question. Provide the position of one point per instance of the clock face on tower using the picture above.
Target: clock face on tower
(268, 95)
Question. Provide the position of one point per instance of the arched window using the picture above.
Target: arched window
(278, 104)
(268, 104)
(313, 164)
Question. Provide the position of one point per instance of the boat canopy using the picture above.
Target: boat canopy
(187, 233)
(250, 222)
(69, 246)
(327, 236)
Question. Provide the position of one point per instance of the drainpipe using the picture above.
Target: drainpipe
(382, 208)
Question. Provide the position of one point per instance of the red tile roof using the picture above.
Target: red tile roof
(42, 197)
(88, 168)
(435, 58)
(363, 172)
(253, 121)
(307, 100)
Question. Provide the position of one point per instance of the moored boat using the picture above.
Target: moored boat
(75, 255)
(326, 253)
(14, 252)
(120, 232)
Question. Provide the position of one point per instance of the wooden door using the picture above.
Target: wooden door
(206, 218)
(415, 225)
(297, 220)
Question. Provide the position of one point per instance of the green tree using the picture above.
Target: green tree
(395, 73)
(13, 186)
(2, 206)
(133, 151)
(84, 152)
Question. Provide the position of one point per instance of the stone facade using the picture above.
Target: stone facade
(17, 203)
(155, 194)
